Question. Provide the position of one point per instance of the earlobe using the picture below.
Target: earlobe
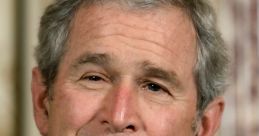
(40, 101)
(211, 118)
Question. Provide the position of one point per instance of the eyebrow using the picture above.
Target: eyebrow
(153, 71)
(94, 58)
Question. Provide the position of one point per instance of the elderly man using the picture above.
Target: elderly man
(129, 68)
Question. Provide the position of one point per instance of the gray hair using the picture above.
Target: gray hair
(212, 60)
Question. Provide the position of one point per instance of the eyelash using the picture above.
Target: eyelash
(92, 77)
(161, 87)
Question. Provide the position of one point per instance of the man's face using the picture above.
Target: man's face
(125, 73)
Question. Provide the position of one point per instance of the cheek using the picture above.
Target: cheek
(168, 121)
(73, 108)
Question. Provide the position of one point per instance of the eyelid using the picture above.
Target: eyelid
(163, 87)
(88, 74)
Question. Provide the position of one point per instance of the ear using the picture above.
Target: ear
(40, 101)
(211, 118)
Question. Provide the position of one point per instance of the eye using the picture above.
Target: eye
(153, 87)
(94, 81)
(156, 92)
(93, 78)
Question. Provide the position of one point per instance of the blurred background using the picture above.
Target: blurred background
(238, 21)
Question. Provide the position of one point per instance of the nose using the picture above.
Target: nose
(119, 113)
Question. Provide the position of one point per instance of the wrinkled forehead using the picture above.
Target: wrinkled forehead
(160, 20)
(136, 7)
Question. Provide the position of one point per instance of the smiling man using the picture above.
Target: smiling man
(129, 68)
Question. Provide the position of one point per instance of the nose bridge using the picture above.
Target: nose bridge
(120, 109)
(122, 106)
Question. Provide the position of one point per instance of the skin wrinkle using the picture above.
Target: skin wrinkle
(102, 10)
(100, 60)
(150, 70)
(160, 55)
(139, 47)
(145, 39)
(132, 32)
(153, 71)
(141, 36)
(111, 33)
(95, 23)
(98, 26)
(158, 43)
(98, 19)
(83, 109)
(143, 49)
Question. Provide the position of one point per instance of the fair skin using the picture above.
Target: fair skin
(125, 73)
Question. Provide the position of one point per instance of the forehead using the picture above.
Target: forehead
(163, 36)
(161, 23)
(165, 32)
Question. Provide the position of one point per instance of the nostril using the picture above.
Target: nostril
(130, 127)
(118, 128)
(105, 122)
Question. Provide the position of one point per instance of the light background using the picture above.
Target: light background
(19, 21)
